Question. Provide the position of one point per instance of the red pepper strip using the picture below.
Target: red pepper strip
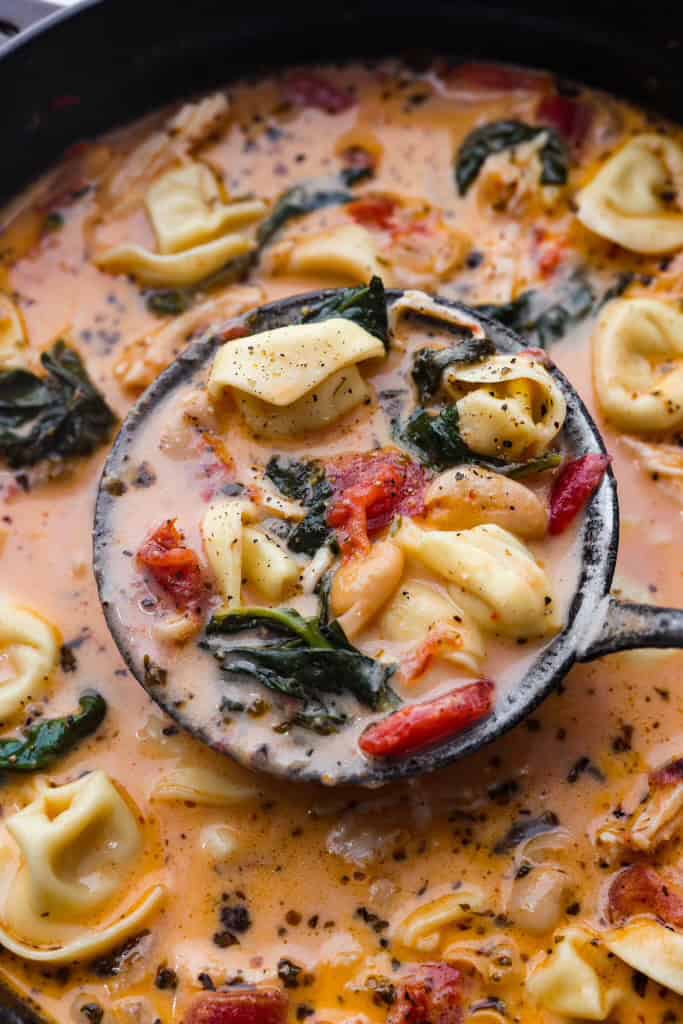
(233, 331)
(572, 118)
(304, 89)
(431, 994)
(173, 566)
(252, 1006)
(574, 485)
(640, 889)
(420, 725)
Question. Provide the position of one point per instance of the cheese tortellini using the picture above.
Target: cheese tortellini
(189, 220)
(297, 378)
(237, 551)
(29, 653)
(629, 199)
(79, 845)
(422, 929)
(204, 786)
(12, 335)
(419, 610)
(651, 948)
(348, 252)
(186, 209)
(508, 406)
(638, 365)
(493, 576)
(576, 979)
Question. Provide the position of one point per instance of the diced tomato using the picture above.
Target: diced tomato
(574, 485)
(640, 889)
(498, 78)
(549, 259)
(572, 118)
(441, 637)
(239, 1006)
(368, 490)
(172, 565)
(420, 725)
(307, 89)
(430, 994)
(377, 212)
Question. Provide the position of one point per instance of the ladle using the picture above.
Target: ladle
(597, 624)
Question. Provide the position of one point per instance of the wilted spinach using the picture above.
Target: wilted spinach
(304, 482)
(299, 200)
(430, 363)
(59, 415)
(44, 743)
(526, 829)
(498, 136)
(435, 439)
(307, 661)
(366, 306)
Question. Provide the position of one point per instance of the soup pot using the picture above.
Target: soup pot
(67, 75)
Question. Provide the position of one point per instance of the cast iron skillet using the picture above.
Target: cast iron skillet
(104, 62)
(597, 624)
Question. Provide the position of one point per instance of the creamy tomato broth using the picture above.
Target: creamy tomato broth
(146, 877)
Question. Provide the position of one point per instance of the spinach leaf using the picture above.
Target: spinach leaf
(435, 440)
(366, 306)
(310, 659)
(169, 301)
(542, 324)
(62, 414)
(498, 136)
(305, 672)
(526, 829)
(430, 363)
(300, 200)
(304, 482)
(44, 743)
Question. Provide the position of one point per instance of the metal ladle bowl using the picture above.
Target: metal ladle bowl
(597, 624)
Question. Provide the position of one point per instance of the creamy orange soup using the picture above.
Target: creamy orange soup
(146, 877)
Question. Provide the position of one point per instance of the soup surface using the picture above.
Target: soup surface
(146, 877)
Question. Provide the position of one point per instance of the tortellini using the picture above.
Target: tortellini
(422, 928)
(348, 252)
(79, 844)
(638, 365)
(419, 609)
(361, 586)
(297, 378)
(29, 652)
(467, 496)
(12, 335)
(174, 269)
(651, 948)
(186, 209)
(493, 576)
(509, 406)
(574, 980)
(203, 786)
(628, 200)
(266, 565)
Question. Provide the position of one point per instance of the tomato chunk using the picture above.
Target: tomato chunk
(372, 212)
(368, 490)
(640, 889)
(240, 1006)
(575, 484)
(307, 89)
(572, 118)
(172, 565)
(497, 77)
(421, 725)
(431, 994)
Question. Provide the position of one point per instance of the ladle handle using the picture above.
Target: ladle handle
(627, 626)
